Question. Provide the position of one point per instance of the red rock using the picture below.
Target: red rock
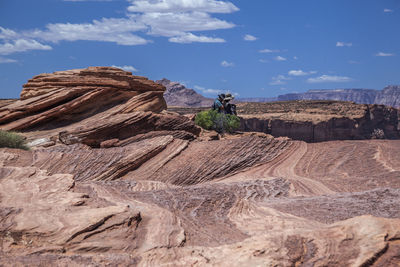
(125, 185)
(109, 143)
(69, 96)
(317, 121)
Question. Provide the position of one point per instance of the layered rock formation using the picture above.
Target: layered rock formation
(91, 106)
(316, 121)
(178, 95)
(127, 185)
(298, 204)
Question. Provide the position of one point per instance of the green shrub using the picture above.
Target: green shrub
(12, 140)
(212, 120)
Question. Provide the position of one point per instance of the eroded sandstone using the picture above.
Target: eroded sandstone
(126, 184)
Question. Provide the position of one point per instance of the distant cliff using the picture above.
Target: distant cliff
(321, 120)
(389, 96)
(178, 95)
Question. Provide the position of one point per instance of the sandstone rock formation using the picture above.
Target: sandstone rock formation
(91, 106)
(298, 204)
(123, 186)
(178, 95)
(316, 121)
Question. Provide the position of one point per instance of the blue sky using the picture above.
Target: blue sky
(253, 48)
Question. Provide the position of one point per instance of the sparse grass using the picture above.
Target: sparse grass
(12, 140)
(212, 120)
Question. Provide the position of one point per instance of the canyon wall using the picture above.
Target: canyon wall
(316, 121)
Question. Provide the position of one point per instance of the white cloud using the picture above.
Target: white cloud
(7, 34)
(279, 80)
(279, 58)
(387, 10)
(118, 30)
(191, 38)
(382, 54)
(295, 58)
(263, 60)
(176, 19)
(208, 91)
(329, 78)
(227, 64)
(21, 45)
(178, 6)
(7, 60)
(126, 68)
(249, 37)
(268, 51)
(343, 44)
(178, 24)
(300, 73)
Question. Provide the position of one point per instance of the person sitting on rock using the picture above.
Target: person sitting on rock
(219, 104)
(228, 107)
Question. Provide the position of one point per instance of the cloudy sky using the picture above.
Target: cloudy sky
(254, 48)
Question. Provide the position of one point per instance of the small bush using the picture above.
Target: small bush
(212, 120)
(12, 140)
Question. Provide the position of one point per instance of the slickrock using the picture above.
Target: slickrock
(253, 213)
(41, 214)
(213, 159)
(112, 180)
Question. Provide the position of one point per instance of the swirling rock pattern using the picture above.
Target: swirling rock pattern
(287, 204)
(123, 184)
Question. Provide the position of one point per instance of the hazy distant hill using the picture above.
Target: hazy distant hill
(178, 95)
(389, 96)
(362, 96)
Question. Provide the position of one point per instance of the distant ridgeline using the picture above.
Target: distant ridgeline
(389, 96)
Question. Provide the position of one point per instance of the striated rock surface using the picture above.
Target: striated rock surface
(127, 185)
(316, 121)
(92, 106)
(65, 97)
(287, 203)
(180, 96)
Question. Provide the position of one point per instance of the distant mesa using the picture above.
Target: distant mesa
(389, 96)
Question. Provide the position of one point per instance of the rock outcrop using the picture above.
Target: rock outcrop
(128, 185)
(91, 106)
(180, 96)
(316, 121)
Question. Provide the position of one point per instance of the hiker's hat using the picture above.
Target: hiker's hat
(229, 97)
